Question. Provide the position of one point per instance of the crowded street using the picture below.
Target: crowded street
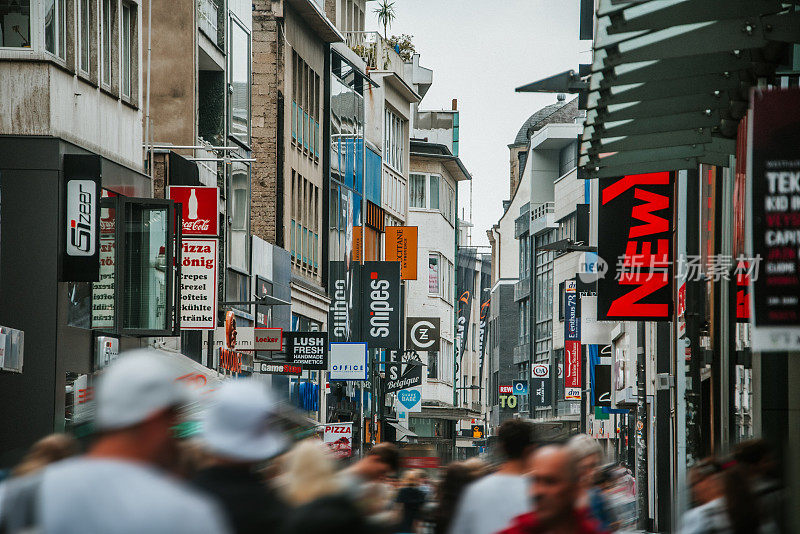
(400, 266)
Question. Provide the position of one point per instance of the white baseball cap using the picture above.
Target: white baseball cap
(134, 387)
(240, 423)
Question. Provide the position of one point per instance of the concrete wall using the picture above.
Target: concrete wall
(504, 312)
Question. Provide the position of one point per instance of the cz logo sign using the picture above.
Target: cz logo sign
(423, 333)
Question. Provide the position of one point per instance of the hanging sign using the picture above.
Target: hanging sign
(80, 255)
(541, 395)
(267, 339)
(381, 304)
(199, 284)
(403, 374)
(200, 208)
(277, 368)
(348, 361)
(572, 324)
(410, 399)
(423, 333)
(572, 380)
(309, 349)
(401, 246)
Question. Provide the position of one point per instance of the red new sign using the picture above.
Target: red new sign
(572, 361)
(200, 216)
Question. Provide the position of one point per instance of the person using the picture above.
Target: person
(588, 453)
(239, 432)
(46, 451)
(556, 490)
(757, 461)
(489, 503)
(457, 476)
(411, 499)
(121, 485)
(364, 483)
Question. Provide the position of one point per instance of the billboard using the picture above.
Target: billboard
(635, 242)
(401, 246)
(381, 304)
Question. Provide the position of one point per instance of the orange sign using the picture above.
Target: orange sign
(401, 245)
(358, 240)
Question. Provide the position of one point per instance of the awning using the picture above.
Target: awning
(402, 432)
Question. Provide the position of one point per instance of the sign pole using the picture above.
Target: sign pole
(361, 422)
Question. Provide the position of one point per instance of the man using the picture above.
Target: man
(239, 431)
(555, 491)
(363, 483)
(120, 486)
(489, 503)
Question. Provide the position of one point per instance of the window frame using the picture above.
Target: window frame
(83, 22)
(60, 9)
(33, 28)
(126, 60)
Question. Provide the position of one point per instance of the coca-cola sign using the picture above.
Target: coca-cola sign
(200, 216)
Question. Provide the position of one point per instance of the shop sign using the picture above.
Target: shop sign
(466, 283)
(348, 361)
(103, 290)
(80, 255)
(267, 339)
(199, 208)
(401, 246)
(635, 241)
(572, 324)
(308, 349)
(540, 385)
(381, 304)
(423, 333)
(277, 368)
(775, 206)
(572, 380)
(410, 399)
(403, 374)
(520, 387)
(600, 374)
(344, 314)
(339, 437)
(506, 390)
(199, 284)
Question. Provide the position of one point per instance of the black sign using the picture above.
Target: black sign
(466, 282)
(277, 368)
(601, 391)
(80, 230)
(485, 298)
(381, 304)
(540, 393)
(635, 241)
(423, 333)
(775, 156)
(308, 349)
(477, 431)
(344, 319)
(403, 370)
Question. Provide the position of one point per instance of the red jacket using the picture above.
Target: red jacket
(529, 524)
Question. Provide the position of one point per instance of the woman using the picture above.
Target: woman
(457, 476)
(46, 451)
(410, 499)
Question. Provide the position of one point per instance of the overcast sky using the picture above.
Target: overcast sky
(480, 50)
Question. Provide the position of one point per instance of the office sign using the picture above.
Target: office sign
(572, 378)
(635, 242)
(80, 255)
(309, 349)
(348, 361)
(339, 437)
(199, 284)
(277, 368)
(774, 149)
(267, 338)
(423, 333)
(381, 304)
(200, 209)
(401, 246)
(572, 324)
(540, 385)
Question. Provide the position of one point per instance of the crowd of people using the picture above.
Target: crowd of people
(242, 474)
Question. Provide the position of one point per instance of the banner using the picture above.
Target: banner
(775, 160)
(600, 374)
(572, 324)
(339, 437)
(401, 245)
(348, 361)
(540, 392)
(466, 283)
(423, 333)
(308, 349)
(572, 378)
(635, 243)
(381, 304)
(485, 297)
(344, 315)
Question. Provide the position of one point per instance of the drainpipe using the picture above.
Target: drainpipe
(147, 95)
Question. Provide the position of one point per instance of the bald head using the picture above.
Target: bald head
(555, 485)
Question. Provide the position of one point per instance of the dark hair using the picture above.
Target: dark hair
(388, 454)
(515, 437)
(751, 452)
(457, 477)
(742, 505)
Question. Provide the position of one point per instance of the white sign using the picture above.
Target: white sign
(198, 284)
(103, 290)
(2, 350)
(268, 338)
(572, 393)
(81, 216)
(594, 332)
(348, 361)
(339, 437)
(410, 399)
(540, 370)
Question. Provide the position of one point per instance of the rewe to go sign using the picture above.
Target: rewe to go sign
(507, 397)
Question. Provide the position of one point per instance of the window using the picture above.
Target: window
(434, 192)
(433, 274)
(239, 206)
(433, 364)
(239, 122)
(15, 24)
(393, 140)
(567, 158)
(84, 32)
(106, 30)
(55, 27)
(305, 107)
(416, 191)
(126, 55)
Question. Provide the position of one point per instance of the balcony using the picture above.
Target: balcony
(543, 216)
(522, 289)
(376, 52)
(208, 19)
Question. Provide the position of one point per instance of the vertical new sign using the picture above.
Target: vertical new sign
(775, 159)
(572, 343)
(634, 239)
(200, 256)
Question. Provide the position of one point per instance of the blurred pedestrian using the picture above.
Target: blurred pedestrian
(365, 483)
(410, 499)
(588, 454)
(555, 490)
(457, 476)
(488, 504)
(120, 485)
(46, 451)
(239, 431)
(758, 463)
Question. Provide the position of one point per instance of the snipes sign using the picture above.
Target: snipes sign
(381, 304)
(635, 240)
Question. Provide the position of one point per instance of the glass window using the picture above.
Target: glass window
(55, 27)
(417, 191)
(433, 364)
(433, 274)
(237, 289)
(434, 192)
(240, 84)
(145, 287)
(83, 33)
(240, 217)
(126, 57)
(106, 30)
(15, 23)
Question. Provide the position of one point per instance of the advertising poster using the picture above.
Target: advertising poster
(199, 284)
(348, 361)
(572, 377)
(200, 209)
(339, 437)
(775, 160)
(381, 304)
(635, 243)
(308, 349)
(401, 246)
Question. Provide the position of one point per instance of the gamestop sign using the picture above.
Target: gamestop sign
(381, 304)
(635, 241)
(200, 215)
